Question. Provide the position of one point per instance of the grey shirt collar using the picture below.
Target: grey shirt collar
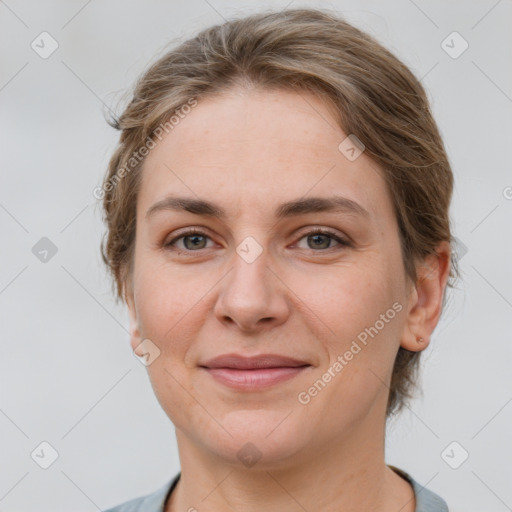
(426, 500)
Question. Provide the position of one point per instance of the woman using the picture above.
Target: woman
(277, 213)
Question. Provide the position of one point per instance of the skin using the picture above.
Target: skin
(305, 297)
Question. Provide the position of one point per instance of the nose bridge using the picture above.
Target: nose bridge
(251, 292)
(248, 282)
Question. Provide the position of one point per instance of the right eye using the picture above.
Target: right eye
(192, 241)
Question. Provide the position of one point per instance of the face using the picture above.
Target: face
(256, 274)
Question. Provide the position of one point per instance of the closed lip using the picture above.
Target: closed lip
(239, 362)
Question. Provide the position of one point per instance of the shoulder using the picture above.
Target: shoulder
(128, 506)
(426, 500)
(153, 502)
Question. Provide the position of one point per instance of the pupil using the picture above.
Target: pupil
(194, 239)
(320, 236)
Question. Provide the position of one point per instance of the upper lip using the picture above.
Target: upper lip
(248, 363)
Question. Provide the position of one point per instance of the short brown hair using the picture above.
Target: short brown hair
(376, 96)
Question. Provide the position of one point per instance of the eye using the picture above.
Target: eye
(321, 239)
(192, 240)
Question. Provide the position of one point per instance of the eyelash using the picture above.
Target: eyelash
(315, 231)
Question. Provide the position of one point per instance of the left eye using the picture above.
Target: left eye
(320, 239)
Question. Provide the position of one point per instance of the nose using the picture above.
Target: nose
(252, 296)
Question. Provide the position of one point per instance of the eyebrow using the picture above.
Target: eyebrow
(334, 204)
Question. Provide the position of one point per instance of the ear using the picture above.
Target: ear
(135, 336)
(426, 299)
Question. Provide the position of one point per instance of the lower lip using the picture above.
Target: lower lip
(253, 379)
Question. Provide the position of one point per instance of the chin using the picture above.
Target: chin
(258, 441)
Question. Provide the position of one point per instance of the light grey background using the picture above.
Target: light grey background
(68, 375)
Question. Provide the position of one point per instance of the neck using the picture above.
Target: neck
(348, 473)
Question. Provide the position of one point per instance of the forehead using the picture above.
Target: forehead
(254, 149)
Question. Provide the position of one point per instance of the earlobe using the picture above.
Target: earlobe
(426, 299)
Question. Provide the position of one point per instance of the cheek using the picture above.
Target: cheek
(170, 314)
(166, 298)
(348, 299)
(362, 308)
(366, 321)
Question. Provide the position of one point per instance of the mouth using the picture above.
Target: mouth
(254, 379)
(253, 373)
